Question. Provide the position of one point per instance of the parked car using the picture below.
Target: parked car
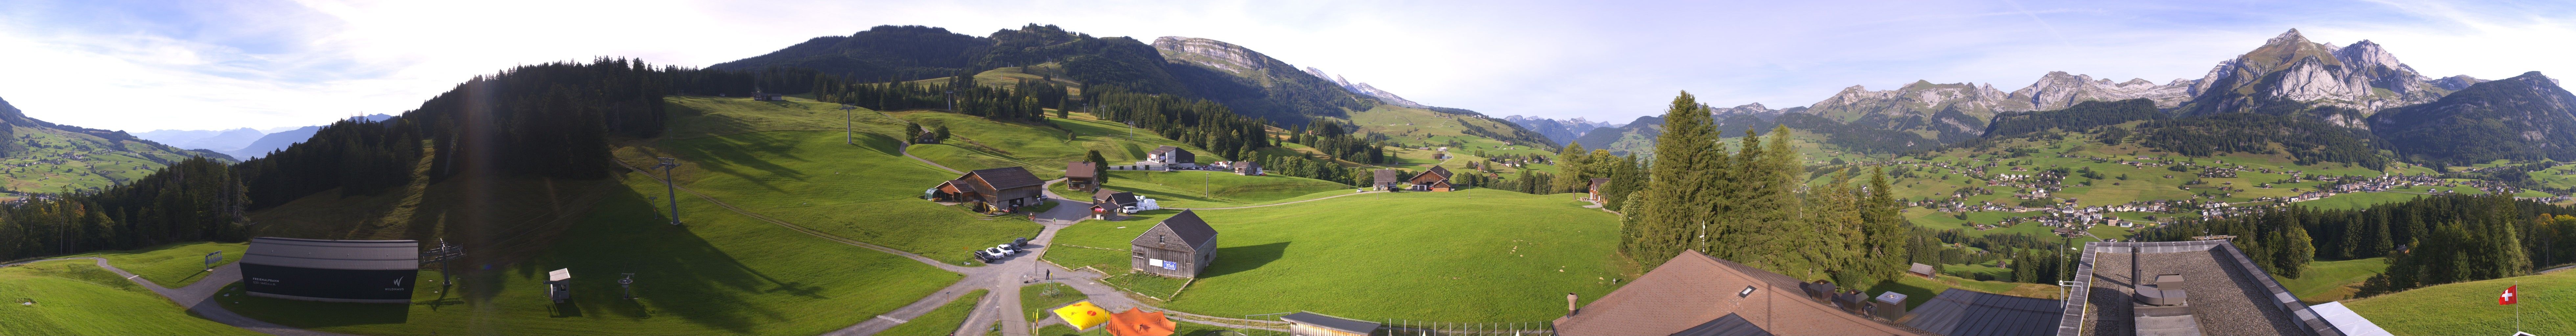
(980, 255)
(1021, 242)
(1001, 251)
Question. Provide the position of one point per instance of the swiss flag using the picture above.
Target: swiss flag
(2508, 296)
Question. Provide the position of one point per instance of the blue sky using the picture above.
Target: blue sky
(142, 65)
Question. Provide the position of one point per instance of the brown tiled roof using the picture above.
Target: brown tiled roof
(1005, 177)
(1080, 169)
(1114, 197)
(1389, 175)
(1694, 289)
(1243, 165)
(1600, 181)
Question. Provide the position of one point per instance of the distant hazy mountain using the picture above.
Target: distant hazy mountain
(279, 140)
(1362, 89)
(1559, 131)
(2526, 117)
(219, 140)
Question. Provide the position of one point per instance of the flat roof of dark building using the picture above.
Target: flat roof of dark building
(334, 254)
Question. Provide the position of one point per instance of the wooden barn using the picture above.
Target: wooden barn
(1245, 168)
(994, 190)
(1436, 179)
(1597, 185)
(1387, 180)
(1080, 175)
(1105, 204)
(1172, 155)
(1180, 246)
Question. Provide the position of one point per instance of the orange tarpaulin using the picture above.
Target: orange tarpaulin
(1135, 322)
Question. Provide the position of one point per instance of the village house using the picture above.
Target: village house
(1595, 191)
(1180, 246)
(1109, 204)
(996, 190)
(1436, 179)
(1387, 179)
(1078, 175)
(1173, 156)
(1245, 168)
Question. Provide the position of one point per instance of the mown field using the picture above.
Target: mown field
(2327, 281)
(172, 266)
(1210, 189)
(76, 297)
(2548, 302)
(1424, 256)
(722, 273)
(978, 143)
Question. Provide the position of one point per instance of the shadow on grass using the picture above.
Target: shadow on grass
(310, 314)
(728, 153)
(1230, 260)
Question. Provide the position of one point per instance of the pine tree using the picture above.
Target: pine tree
(1676, 218)
(1099, 169)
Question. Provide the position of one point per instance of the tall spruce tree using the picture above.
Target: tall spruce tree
(1099, 169)
(1677, 214)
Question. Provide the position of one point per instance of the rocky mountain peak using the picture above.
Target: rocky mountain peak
(1213, 54)
(2059, 89)
(2288, 37)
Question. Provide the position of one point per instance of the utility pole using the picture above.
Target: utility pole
(668, 187)
(848, 125)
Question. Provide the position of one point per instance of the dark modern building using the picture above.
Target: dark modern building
(367, 271)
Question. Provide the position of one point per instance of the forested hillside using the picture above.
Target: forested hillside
(43, 157)
(552, 120)
(2526, 118)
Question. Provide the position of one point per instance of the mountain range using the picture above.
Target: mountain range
(244, 143)
(1246, 81)
(2286, 75)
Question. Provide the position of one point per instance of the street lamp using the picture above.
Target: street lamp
(672, 189)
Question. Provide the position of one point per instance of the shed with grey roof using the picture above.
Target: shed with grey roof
(1180, 246)
(1312, 324)
(366, 271)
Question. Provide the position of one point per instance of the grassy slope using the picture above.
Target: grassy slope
(174, 265)
(2332, 280)
(864, 192)
(2470, 308)
(940, 321)
(1188, 189)
(721, 274)
(1449, 256)
(56, 161)
(75, 297)
(978, 143)
(1034, 300)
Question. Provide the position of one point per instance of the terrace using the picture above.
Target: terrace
(2227, 294)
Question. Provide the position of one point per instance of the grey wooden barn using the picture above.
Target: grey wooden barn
(1180, 246)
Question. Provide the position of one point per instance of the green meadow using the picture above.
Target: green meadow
(173, 265)
(2326, 281)
(721, 273)
(1444, 256)
(2469, 308)
(1211, 189)
(76, 297)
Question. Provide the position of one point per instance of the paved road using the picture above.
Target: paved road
(1284, 203)
(200, 298)
(2560, 268)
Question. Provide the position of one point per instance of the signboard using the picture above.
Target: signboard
(214, 257)
(1165, 264)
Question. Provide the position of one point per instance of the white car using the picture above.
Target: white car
(1003, 250)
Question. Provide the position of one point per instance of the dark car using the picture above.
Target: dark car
(1022, 242)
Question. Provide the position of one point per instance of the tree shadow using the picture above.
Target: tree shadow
(1230, 260)
(735, 151)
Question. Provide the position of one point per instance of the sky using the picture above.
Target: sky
(145, 65)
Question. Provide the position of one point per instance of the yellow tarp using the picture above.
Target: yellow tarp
(1082, 315)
